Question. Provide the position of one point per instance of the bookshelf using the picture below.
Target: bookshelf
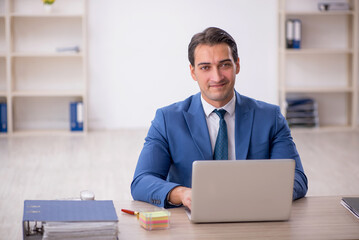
(3, 56)
(325, 68)
(2, 51)
(37, 81)
(2, 76)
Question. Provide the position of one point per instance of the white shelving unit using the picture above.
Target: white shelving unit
(326, 66)
(3, 49)
(36, 81)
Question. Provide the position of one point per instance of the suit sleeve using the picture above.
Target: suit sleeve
(149, 182)
(283, 147)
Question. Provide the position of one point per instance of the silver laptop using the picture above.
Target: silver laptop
(241, 190)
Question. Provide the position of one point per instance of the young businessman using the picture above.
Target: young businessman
(217, 123)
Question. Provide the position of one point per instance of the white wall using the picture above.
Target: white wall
(138, 54)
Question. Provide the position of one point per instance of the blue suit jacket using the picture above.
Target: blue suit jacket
(179, 135)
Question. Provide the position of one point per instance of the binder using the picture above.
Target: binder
(289, 33)
(297, 35)
(352, 204)
(76, 116)
(91, 216)
(3, 117)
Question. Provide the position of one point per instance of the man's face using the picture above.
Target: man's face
(215, 71)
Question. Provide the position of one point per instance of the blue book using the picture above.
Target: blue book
(39, 212)
(3, 117)
(76, 116)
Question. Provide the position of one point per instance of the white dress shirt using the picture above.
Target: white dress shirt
(213, 124)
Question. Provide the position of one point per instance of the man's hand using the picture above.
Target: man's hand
(182, 195)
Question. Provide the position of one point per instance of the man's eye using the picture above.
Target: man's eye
(204, 67)
(225, 65)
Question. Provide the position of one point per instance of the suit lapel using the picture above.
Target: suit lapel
(243, 127)
(197, 124)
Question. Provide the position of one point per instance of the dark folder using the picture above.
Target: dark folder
(352, 204)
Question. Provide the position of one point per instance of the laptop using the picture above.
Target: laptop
(241, 190)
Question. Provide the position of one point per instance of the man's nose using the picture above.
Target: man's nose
(216, 75)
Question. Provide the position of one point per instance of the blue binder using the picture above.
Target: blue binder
(297, 38)
(76, 116)
(3, 117)
(66, 211)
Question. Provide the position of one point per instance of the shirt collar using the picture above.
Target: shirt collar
(229, 107)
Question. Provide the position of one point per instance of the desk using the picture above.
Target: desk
(311, 218)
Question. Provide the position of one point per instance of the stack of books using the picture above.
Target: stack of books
(333, 6)
(69, 219)
(302, 112)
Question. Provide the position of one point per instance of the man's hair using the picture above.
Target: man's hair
(211, 36)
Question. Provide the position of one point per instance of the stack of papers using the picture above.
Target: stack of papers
(80, 230)
(302, 112)
(154, 220)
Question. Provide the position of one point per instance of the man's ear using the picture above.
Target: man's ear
(238, 66)
(192, 72)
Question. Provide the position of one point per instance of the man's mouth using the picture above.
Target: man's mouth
(218, 85)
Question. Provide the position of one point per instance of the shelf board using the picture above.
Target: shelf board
(48, 93)
(3, 94)
(304, 51)
(4, 134)
(47, 54)
(318, 89)
(328, 128)
(317, 13)
(47, 15)
(47, 132)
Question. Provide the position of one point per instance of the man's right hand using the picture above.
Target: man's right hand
(181, 195)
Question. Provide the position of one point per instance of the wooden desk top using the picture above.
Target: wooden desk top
(311, 218)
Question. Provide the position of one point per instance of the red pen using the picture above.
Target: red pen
(130, 212)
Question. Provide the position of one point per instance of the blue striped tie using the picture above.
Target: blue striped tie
(221, 147)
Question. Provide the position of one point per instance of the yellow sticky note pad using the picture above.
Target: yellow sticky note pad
(154, 220)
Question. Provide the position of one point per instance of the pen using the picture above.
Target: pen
(130, 212)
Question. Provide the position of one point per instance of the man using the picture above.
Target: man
(187, 131)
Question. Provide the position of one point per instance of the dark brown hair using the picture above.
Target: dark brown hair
(211, 36)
